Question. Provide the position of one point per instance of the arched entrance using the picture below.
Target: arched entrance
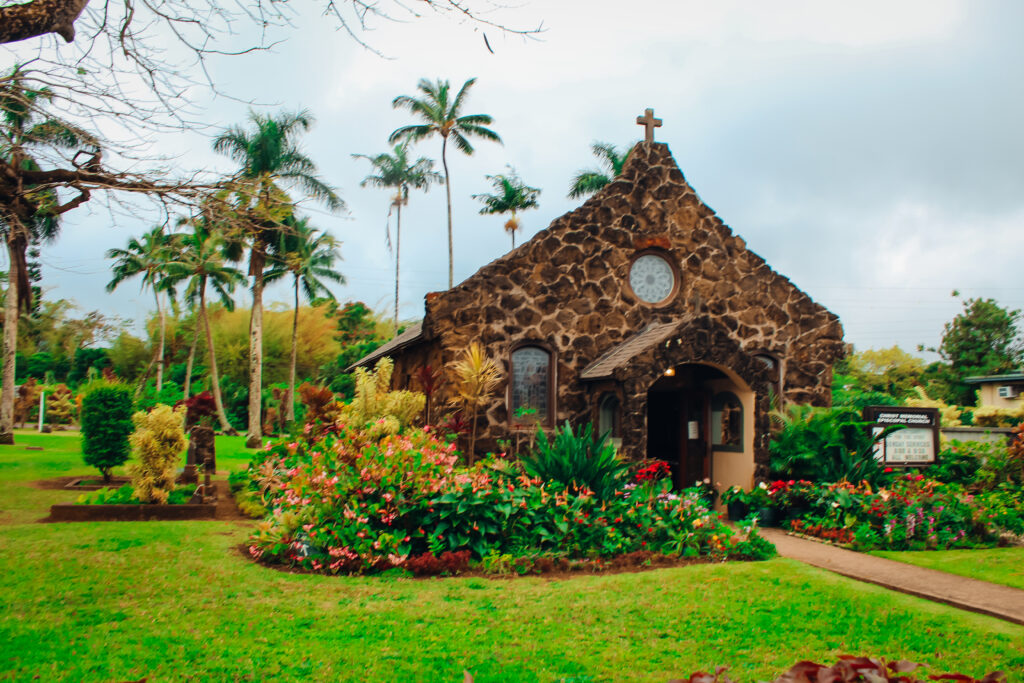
(700, 422)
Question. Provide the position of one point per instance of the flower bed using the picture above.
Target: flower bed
(912, 513)
(355, 502)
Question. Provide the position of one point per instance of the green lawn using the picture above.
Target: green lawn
(998, 565)
(176, 601)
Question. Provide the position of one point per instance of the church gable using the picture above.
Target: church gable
(645, 249)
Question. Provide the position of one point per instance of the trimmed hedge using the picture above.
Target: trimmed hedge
(106, 426)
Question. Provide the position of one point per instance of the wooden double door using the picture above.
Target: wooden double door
(679, 432)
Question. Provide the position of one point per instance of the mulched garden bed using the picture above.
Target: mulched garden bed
(223, 508)
(551, 569)
(71, 512)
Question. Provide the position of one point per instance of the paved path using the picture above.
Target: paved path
(983, 597)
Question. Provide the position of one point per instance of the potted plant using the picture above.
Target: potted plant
(737, 502)
(761, 502)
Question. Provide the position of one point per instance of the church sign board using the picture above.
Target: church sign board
(916, 444)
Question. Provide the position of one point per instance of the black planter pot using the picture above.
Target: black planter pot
(738, 510)
(768, 516)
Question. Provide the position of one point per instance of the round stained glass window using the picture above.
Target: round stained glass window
(652, 278)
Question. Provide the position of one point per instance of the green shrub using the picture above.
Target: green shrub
(823, 445)
(106, 424)
(957, 463)
(577, 461)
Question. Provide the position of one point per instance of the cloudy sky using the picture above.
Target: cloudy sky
(870, 151)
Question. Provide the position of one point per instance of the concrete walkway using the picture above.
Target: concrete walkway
(983, 597)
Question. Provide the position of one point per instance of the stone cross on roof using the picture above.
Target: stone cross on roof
(649, 123)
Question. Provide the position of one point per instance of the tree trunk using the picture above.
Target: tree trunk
(448, 191)
(289, 415)
(471, 455)
(225, 426)
(145, 376)
(187, 389)
(163, 338)
(398, 255)
(10, 349)
(39, 17)
(254, 435)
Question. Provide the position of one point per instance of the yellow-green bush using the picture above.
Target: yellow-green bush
(157, 443)
(948, 414)
(376, 407)
(991, 416)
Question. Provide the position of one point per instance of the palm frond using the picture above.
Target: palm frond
(587, 183)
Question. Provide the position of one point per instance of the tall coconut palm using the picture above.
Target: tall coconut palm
(30, 217)
(146, 257)
(589, 181)
(441, 116)
(269, 155)
(199, 262)
(395, 171)
(511, 195)
(309, 256)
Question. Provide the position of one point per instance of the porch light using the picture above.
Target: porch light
(670, 372)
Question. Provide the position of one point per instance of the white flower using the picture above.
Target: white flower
(762, 485)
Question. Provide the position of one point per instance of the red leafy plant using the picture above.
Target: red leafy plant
(198, 408)
(448, 563)
(849, 669)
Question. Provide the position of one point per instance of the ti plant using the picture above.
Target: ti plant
(476, 379)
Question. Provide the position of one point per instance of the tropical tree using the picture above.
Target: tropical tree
(199, 262)
(396, 171)
(31, 214)
(441, 116)
(589, 181)
(269, 155)
(511, 195)
(146, 257)
(309, 256)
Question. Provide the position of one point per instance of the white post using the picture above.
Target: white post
(42, 408)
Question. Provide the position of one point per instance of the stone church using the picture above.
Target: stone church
(643, 313)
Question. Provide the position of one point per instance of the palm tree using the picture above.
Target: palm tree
(589, 181)
(512, 195)
(440, 114)
(146, 257)
(199, 261)
(309, 256)
(269, 154)
(30, 217)
(396, 171)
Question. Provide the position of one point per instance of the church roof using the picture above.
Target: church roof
(619, 356)
(410, 336)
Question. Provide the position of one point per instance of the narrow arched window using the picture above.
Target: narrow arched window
(530, 399)
(726, 422)
(608, 416)
(774, 364)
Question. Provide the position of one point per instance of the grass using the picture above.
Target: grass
(998, 565)
(61, 456)
(176, 601)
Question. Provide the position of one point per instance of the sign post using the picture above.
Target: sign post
(916, 444)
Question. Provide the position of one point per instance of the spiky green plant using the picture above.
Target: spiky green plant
(577, 461)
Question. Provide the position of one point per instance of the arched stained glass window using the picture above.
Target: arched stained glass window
(727, 422)
(531, 385)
